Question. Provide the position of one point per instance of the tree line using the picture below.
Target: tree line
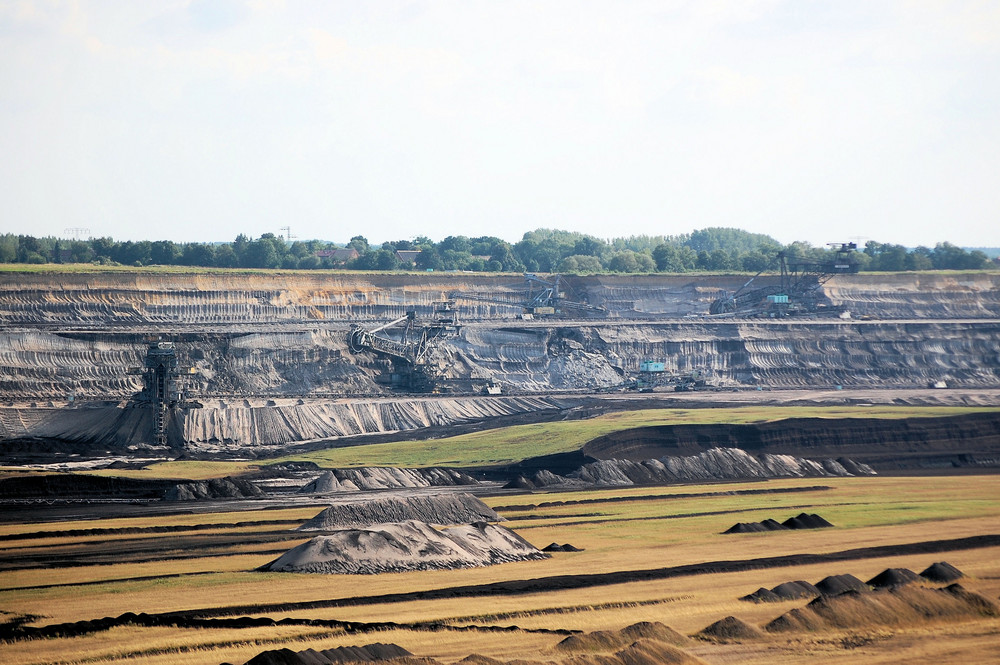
(542, 250)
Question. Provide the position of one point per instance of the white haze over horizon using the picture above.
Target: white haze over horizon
(200, 120)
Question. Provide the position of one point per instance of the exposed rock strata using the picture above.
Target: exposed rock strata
(383, 478)
(160, 298)
(714, 464)
(246, 425)
(441, 509)
(969, 440)
(215, 488)
(412, 545)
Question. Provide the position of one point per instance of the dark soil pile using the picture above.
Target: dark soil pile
(943, 572)
(804, 521)
(893, 577)
(362, 654)
(730, 629)
(216, 488)
(782, 592)
(647, 652)
(654, 630)
(756, 527)
(894, 607)
(838, 584)
(437, 509)
(565, 547)
(800, 521)
(796, 589)
(607, 640)
(762, 595)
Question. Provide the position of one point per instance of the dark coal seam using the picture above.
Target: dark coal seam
(659, 497)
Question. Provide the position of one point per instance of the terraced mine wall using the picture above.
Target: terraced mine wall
(271, 364)
(164, 299)
(52, 368)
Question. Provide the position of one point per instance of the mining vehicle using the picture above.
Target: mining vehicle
(536, 296)
(797, 291)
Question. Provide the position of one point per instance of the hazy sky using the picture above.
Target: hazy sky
(199, 120)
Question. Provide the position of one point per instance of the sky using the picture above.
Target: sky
(198, 120)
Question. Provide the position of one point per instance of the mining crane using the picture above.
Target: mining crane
(536, 297)
(797, 289)
(409, 348)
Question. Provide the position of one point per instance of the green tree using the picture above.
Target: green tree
(261, 253)
(164, 253)
(9, 246)
(225, 256)
(198, 254)
(359, 243)
(624, 261)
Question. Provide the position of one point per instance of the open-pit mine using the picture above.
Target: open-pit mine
(269, 467)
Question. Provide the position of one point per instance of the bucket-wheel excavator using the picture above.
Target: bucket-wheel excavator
(536, 296)
(797, 291)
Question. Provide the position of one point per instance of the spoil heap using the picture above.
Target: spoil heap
(943, 572)
(800, 521)
(894, 607)
(893, 577)
(399, 547)
(361, 654)
(730, 629)
(215, 488)
(437, 509)
(713, 464)
(606, 640)
(384, 478)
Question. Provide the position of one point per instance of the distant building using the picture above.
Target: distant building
(407, 255)
(338, 256)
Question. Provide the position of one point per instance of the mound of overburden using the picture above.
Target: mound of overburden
(800, 521)
(362, 654)
(833, 585)
(458, 508)
(893, 577)
(640, 652)
(897, 606)
(943, 572)
(411, 545)
(730, 629)
(215, 488)
(782, 592)
(606, 640)
(713, 464)
(381, 478)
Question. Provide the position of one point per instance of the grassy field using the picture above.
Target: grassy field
(655, 528)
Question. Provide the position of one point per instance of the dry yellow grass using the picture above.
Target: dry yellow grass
(625, 536)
